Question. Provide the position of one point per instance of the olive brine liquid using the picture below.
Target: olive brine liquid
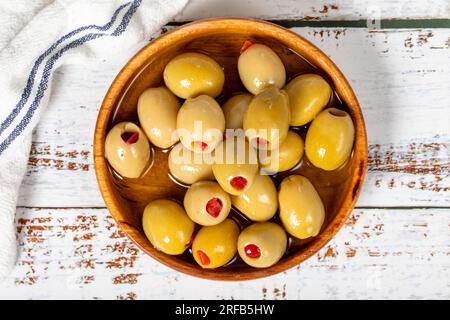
(157, 182)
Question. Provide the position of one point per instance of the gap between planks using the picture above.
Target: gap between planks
(377, 254)
(322, 10)
(363, 23)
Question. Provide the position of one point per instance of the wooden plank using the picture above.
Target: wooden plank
(394, 73)
(380, 253)
(372, 25)
(316, 10)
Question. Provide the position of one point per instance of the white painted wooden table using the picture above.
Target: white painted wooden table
(396, 243)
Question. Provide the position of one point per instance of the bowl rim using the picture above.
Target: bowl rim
(290, 39)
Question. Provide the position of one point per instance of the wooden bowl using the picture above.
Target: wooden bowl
(222, 39)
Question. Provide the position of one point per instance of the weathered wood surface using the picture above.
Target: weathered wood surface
(380, 253)
(316, 9)
(401, 78)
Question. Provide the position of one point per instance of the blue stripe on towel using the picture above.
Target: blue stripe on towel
(43, 85)
(30, 82)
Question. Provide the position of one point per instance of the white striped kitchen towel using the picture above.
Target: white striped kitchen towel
(36, 37)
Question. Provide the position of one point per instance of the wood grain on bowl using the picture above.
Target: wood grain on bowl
(222, 39)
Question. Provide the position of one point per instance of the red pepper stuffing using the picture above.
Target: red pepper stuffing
(252, 251)
(261, 142)
(213, 207)
(204, 259)
(201, 144)
(238, 182)
(247, 44)
(130, 137)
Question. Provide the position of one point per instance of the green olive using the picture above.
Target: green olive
(234, 110)
(308, 95)
(301, 209)
(167, 226)
(266, 122)
(259, 202)
(215, 246)
(157, 110)
(285, 157)
(262, 244)
(189, 167)
(200, 124)
(260, 67)
(127, 149)
(235, 165)
(206, 203)
(191, 74)
(330, 138)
